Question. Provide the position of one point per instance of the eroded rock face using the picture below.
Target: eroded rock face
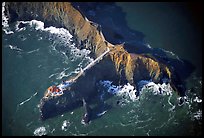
(118, 66)
(61, 14)
(87, 33)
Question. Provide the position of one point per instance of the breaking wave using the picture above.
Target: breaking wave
(40, 131)
(5, 25)
(62, 44)
(129, 91)
(140, 118)
(66, 124)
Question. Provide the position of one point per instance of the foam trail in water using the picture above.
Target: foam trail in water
(102, 113)
(172, 106)
(28, 99)
(14, 48)
(62, 74)
(172, 54)
(36, 50)
(28, 124)
(53, 75)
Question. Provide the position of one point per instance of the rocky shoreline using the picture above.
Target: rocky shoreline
(86, 33)
(119, 65)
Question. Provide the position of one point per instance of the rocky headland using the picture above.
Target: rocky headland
(119, 65)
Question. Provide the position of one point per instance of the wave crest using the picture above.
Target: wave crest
(130, 91)
(40, 131)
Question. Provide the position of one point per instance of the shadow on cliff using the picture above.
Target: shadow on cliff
(97, 106)
(112, 21)
(181, 66)
(100, 106)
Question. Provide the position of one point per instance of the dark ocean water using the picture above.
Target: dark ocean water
(175, 27)
(34, 57)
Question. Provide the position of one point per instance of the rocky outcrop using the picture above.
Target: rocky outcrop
(61, 14)
(88, 34)
(118, 66)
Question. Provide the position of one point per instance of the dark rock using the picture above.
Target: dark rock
(118, 65)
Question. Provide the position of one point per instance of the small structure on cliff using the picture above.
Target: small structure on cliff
(119, 66)
(61, 88)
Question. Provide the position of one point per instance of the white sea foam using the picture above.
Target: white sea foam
(20, 29)
(102, 113)
(5, 19)
(62, 43)
(39, 25)
(172, 54)
(165, 88)
(64, 40)
(198, 115)
(172, 106)
(40, 131)
(197, 100)
(28, 99)
(61, 31)
(129, 91)
(14, 48)
(65, 125)
(52, 130)
(147, 45)
(63, 74)
(17, 26)
(53, 75)
(36, 50)
(8, 31)
(40, 38)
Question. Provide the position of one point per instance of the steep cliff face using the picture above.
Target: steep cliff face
(128, 66)
(118, 65)
(137, 67)
(61, 14)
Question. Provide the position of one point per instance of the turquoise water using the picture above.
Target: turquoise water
(32, 60)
